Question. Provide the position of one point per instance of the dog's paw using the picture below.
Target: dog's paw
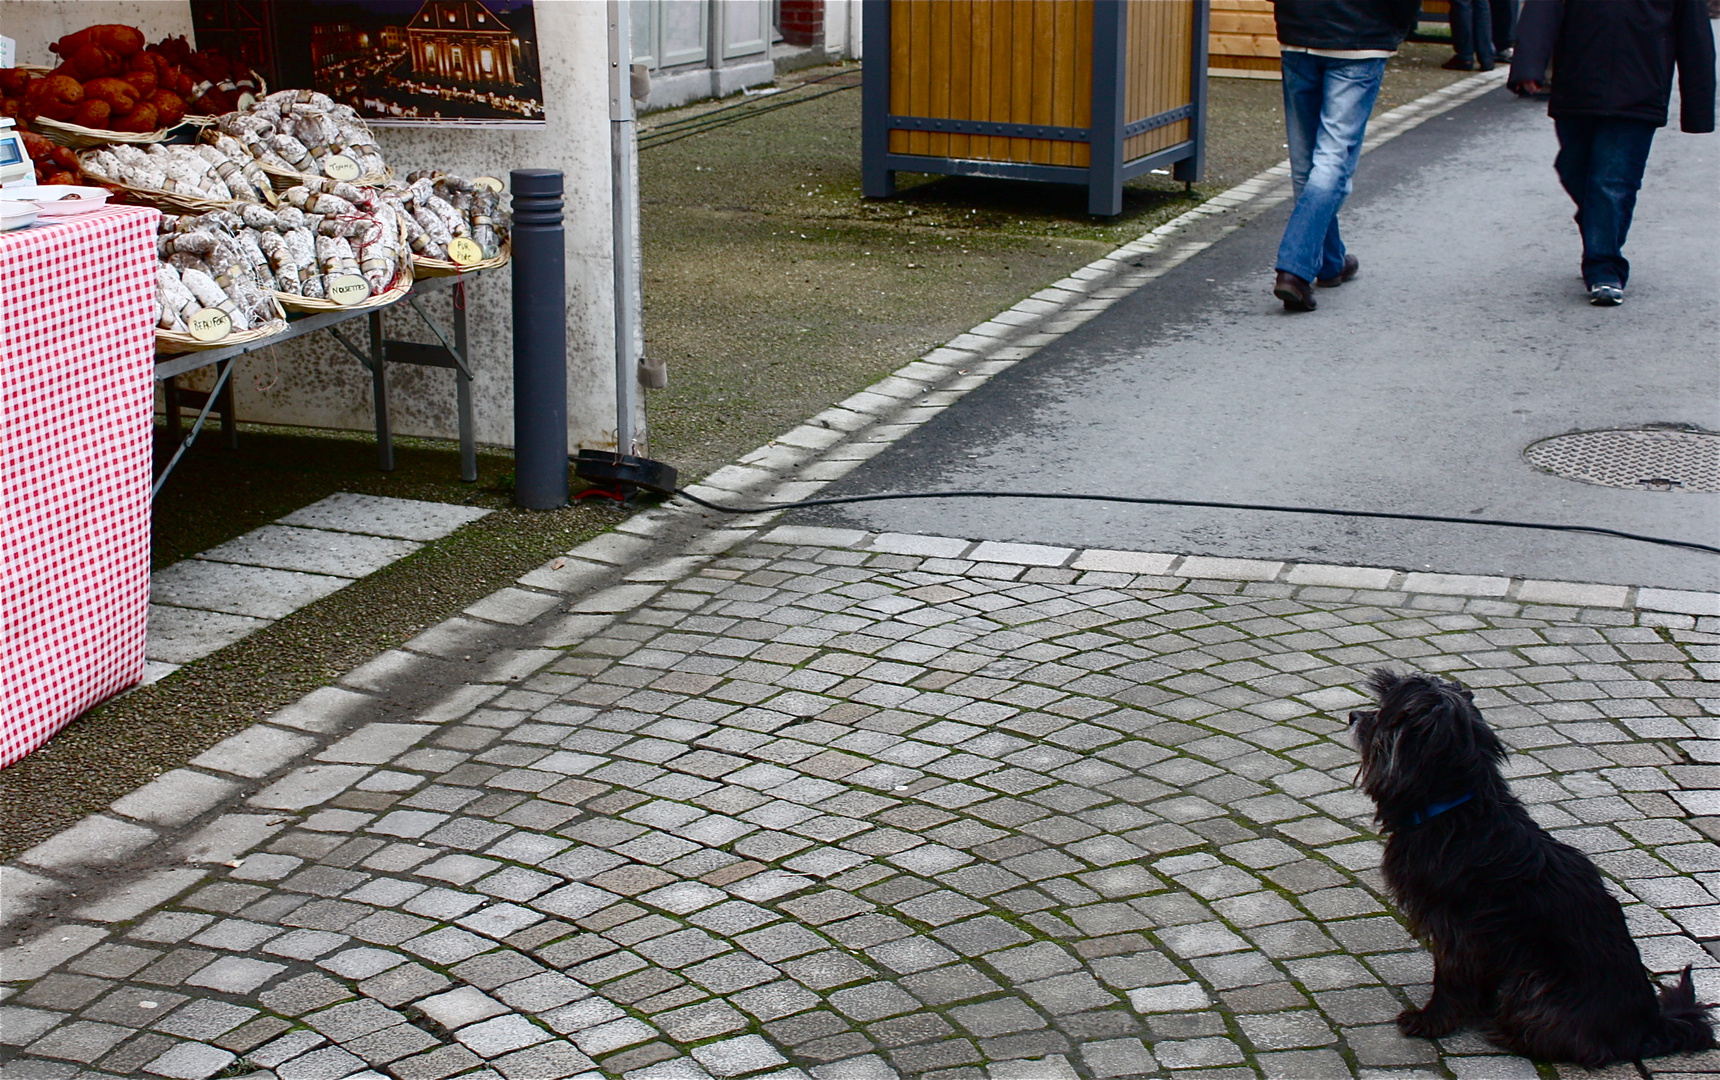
(1426, 1023)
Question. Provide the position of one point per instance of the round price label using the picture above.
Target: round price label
(487, 182)
(340, 167)
(348, 289)
(464, 251)
(209, 324)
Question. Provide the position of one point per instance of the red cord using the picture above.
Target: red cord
(600, 493)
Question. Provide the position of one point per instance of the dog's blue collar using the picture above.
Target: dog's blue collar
(1433, 810)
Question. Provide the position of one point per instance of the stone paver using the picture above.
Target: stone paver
(376, 515)
(315, 551)
(253, 591)
(868, 806)
(208, 602)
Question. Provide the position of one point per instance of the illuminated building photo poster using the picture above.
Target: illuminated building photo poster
(409, 62)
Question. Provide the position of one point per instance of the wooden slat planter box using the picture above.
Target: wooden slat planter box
(1090, 92)
(1243, 41)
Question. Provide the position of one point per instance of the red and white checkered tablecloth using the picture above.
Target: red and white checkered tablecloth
(77, 354)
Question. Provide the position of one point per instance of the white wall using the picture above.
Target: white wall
(36, 24)
(313, 381)
(842, 29)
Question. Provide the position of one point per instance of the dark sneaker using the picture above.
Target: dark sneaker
(1294, 291)
(1606, 295)
(1351, 266)
(1457, 63)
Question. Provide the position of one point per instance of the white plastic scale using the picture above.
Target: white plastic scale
(22, 200)
(16, 170)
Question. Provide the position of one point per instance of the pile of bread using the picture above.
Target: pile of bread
(106, 80)
(110, 80)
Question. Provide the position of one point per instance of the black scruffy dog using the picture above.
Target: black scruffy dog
(1525, 939)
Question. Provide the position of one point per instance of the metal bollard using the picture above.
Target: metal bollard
(540, 340)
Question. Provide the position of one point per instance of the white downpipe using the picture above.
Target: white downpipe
(624, 209)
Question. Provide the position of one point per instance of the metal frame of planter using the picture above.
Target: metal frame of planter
(1105, 99)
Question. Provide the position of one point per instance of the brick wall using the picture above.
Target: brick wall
(803, 22)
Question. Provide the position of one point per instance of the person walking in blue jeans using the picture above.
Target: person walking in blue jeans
(1612, 80)
(1334, 55)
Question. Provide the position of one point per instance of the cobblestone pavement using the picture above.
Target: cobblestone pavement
(858, 807)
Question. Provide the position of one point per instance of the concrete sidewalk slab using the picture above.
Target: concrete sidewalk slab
(315, 551)
(220, 596)
(375, 515)
(252, 591)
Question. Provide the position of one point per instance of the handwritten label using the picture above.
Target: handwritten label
(340, 167)
(348, 289)
(209, 324)
(487, 182)
(464, 251)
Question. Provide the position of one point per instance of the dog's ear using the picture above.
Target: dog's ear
(1427, 742)
(1382, 682)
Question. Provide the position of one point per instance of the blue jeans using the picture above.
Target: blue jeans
(1600, 164)
(1326, 107)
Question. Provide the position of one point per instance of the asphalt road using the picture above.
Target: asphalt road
(1415, 388)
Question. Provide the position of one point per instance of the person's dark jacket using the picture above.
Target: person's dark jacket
(1614, 58)
(1345, 24)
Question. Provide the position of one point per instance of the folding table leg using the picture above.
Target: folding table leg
(229, 415)
(463, 392)
(170, 399)
(379, 390)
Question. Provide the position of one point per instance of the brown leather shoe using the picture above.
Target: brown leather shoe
(1351, 266)
(1294, 291)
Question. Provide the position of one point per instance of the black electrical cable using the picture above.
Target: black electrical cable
(651, 140)
(1144, 501)
(648, 142)
(671, 126)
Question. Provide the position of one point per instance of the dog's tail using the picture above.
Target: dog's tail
(1686, 1026)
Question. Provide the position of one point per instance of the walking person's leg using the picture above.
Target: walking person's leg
(1312, 247)
(1481, 32)
(1617, 154)
(1504, 27)
(1463, 35)
(1304, 93)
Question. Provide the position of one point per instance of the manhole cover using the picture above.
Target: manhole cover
(1651, 460)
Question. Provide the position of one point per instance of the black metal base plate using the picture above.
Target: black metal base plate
(606, 468)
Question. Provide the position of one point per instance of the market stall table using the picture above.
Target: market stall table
(375, 354)
(77, 344)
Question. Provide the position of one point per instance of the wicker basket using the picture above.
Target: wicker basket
(174, 342)
(202, 120)
(429, 268)
(176, 201)
(401, 286)
(79, 137)
(286, 178)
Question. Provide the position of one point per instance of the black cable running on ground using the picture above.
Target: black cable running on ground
(677, 130)
(1144, 501)
(745, 103)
